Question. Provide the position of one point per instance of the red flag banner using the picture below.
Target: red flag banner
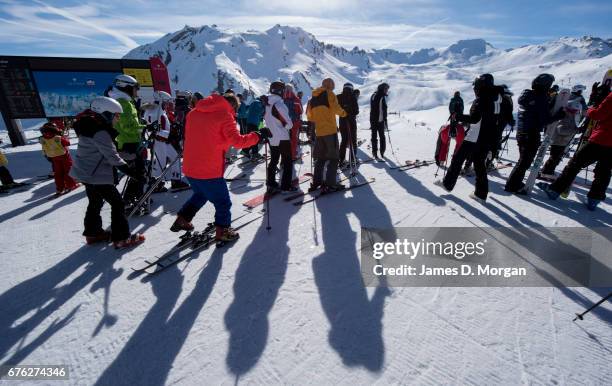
(161, 81)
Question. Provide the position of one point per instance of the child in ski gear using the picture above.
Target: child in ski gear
(597, 149)
(209, 132)
(55, 148)
(378, 119)
(480, 138)
(533, 116)
(564, 132)
(254, 118)
(321, 111)
(294, 107)
(163, 151)
(348, 124)
(5, 175)
(94, 164)
(129, 129)
(278, 120)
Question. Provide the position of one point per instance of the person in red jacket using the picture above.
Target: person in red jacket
(294, 105)
(597, 149)
(209, 132)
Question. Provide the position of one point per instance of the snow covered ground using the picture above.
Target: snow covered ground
(288, 305)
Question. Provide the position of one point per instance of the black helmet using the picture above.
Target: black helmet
(277, 88)
(483, 81)
(383, 87)
(348, 85)
(542, 82)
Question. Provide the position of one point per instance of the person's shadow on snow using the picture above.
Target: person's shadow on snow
(355, 319)
(149, 354)
(34, 301)
(258, 279)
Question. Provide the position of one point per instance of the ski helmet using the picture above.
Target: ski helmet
(107, 107)
(277, 88)
(162, 96)
(348, 85)
(383, 88)
(542, 82)
(483, 82)
(126, 84)
(578, 88)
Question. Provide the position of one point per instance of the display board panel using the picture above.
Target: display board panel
(19, 97)
(67, 93)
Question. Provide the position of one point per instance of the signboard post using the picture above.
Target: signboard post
(15, 131)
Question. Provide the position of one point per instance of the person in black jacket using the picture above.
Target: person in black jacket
(533, 116)
(378, 119)
(348, 124)
(480, 138)
(455, 107)
(506, 118)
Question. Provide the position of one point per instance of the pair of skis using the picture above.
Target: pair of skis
(194, 241)
(413, 164)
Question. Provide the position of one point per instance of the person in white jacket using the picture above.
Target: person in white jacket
(164, 152)
(278, 121)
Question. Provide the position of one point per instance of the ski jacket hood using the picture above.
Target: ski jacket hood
(210, 130)
(322, 110)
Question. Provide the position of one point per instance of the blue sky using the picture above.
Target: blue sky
(111, 28)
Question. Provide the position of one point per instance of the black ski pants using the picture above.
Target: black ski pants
(587, 155)
(97, 194)
(348, 133)
(134, 189)
(378, 132)
(253, 150)
(478, 155)
(326, 153)
(281, 152)
(556, 154)
(528, 148)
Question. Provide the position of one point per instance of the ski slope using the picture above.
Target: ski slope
(288, 305)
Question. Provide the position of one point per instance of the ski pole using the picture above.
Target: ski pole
(268, 227)
(580, 316)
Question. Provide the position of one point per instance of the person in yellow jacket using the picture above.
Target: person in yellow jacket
(321, 111)
(55, 148)
(5, 176)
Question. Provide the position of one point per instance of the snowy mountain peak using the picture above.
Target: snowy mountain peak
(207, 57)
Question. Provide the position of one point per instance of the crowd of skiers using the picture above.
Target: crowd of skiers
(541, 109)
(195, 137)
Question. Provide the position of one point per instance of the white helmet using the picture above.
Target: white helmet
(162, 96)
(102, 105)
(578, 88)
(125, 81)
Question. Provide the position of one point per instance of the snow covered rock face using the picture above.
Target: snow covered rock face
(208, 58)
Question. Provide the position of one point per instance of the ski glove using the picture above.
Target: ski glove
(264, 135)
(131, 172)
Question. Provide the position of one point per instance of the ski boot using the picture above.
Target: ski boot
(591, 204)
(549, 192)
(473, 196)
(131, 241)
(225, 234)
(331, 188)
(179, 185)
(181, 224)
(161, 188)
(440, 183)
(291, 189)
(103, 236)
(313, 187)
